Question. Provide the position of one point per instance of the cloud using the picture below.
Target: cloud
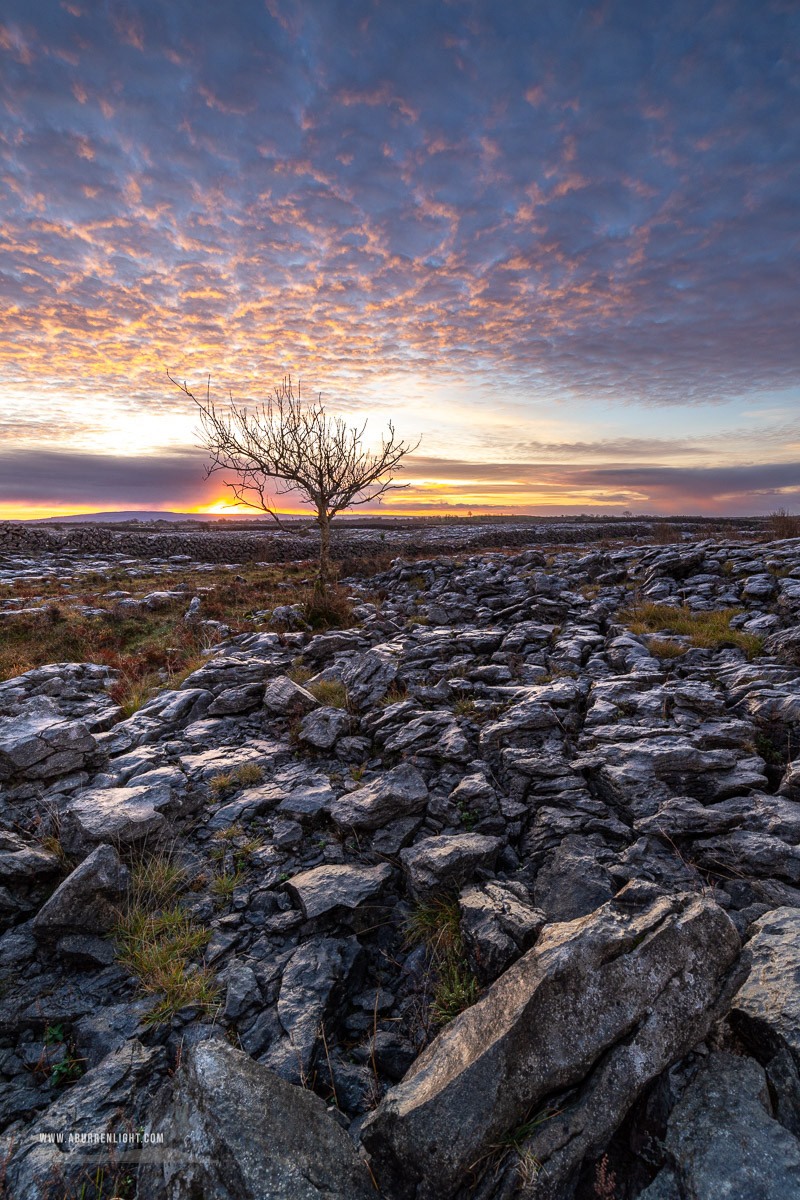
(602, 208)
(58, 479)
(176, 481)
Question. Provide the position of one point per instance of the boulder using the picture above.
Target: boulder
(723, 1140)
(88, 900)
(41, 745)
(308, 801)
(24, 862)
(749, 852)
(650, 978)
(241, 991)
(103, 1030)
(369, 676)
(498, 923)
(447, 862)
(766, 1010)
(573, 881)
(158, 600)
(401, 792)
(247, 1135)
(285, 698)
(759, 587)
(112, 1096)
(337, 886)
(323, 727)
(785, 646)
(436, 733)
(242, 699)
(123, 815)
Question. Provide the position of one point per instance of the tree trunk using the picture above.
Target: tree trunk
(324, 522)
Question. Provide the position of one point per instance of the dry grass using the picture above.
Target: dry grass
(328, 609)
(151, 649)
(221, 785)
(708, 630)
(248, 774)
(437, 924)
(394, 695)
(662, 648)
(665, 534)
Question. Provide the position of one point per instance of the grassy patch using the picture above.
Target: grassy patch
(299, 673)
(437, 924)
(708, 630)
(156, 940)
(150, 649)
(663, 648)
(331, 692)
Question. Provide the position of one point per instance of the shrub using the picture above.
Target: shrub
(328, 609)
(665, 534)
(782, 524)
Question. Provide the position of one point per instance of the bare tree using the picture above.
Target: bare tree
(291, 445)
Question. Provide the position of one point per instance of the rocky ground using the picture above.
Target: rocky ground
(494, 894)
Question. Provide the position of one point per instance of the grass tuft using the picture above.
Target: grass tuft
(221, 784)
(248, 774)
(395, 694)
(328, 609)
(437, 924)
(226, 884)
(331, 692)
(156, 939)
(663, 648)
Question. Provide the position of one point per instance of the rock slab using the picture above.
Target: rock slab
(293, 1150)
(529, 1036)
(88, 900)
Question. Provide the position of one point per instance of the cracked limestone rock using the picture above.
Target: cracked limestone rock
(292, 1149)
(88, 899)
(650, 977)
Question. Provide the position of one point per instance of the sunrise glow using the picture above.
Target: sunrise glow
(558, 245)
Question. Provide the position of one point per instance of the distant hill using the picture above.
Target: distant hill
(105, 518)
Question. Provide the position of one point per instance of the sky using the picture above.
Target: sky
(558, 241)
